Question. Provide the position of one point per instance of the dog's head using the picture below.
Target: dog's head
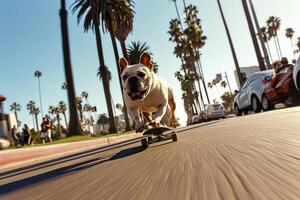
(138, 78)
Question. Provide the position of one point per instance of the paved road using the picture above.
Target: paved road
(250, 157)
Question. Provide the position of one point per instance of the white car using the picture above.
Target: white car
(249, 96)
(296, 74)
(214, 111)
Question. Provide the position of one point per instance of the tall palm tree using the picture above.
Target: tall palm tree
(85, 95)
(34, 111)
(135, 50)
(63, 108)
(79, 108)
(15, 107)
(237, 66)
(264, 33)
(273, 25)
(178, 15)
(259, 57)
(289, 33)
(38, 74)
(93, 11)
(74, 126)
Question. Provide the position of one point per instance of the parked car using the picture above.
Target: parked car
(198, 118)
(296, 75)
(279, 88)
(249, 96)
(214, 111)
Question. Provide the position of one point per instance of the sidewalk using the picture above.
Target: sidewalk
(14, 157)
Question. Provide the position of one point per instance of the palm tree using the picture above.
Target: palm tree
(273, 25)
(120, 107)
(94, 12)
(34, 111)
(178, 15)
(15, 107)
(63, 108)
(237, 66)
(74, 126)
(264, 33)
(55, 110)
(134, 52)
(289, 33)
(102, 120)
(259, 57)
(85, 95)
(79, 107)
(223, 84)
(38, 74)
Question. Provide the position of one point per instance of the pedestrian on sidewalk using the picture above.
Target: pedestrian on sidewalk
(44, 133)
(49, 128)
(26, 135)
(16, 137)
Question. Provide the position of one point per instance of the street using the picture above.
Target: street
(250, 157)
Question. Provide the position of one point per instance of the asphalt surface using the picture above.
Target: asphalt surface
(249, 157)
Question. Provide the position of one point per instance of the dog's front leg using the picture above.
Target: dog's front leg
(159, 114)
(135, 115)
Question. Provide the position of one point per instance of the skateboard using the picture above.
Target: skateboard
(157, 134)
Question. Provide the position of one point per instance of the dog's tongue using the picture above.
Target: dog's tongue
(136, 94)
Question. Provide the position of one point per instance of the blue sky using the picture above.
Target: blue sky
(30, 39)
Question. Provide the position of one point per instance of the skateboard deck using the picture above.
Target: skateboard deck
(157, 134)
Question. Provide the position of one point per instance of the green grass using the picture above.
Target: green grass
(76, 138)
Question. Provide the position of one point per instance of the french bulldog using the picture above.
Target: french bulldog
(148, 98)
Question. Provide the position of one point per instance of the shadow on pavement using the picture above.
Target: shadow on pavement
(27, 182)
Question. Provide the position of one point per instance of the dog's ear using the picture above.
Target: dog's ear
(145, 59)
(123, 64)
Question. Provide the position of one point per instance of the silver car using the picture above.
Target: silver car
(214, 111)
(249, 96)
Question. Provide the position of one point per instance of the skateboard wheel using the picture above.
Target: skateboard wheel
(174, 137)
(144, 143)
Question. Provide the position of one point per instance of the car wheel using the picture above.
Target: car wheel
(255, 104)
(237, 111)
(266, 105)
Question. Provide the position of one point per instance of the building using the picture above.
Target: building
(246, 72)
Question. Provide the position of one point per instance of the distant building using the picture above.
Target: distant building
(3, 119)
(246, 72)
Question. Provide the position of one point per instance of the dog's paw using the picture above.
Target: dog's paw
(139, 128)
(154, 124)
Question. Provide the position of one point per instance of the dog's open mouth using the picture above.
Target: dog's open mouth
(138, 95)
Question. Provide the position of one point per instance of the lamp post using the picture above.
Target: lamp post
(38, 74)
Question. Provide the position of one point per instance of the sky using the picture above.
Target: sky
(30, 40)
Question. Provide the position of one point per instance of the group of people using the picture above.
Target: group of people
(21, 138)
(24, 137)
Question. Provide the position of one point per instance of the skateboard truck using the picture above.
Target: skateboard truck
(157, 134)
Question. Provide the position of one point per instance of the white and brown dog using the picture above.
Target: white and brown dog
(148, 98)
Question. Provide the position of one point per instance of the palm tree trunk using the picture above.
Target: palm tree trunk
(269, 51)
(203, 80)
(176, 7)
(113, 40)
(278, 45)
(16, 114)
(112, 127)
(58, 126)
(238, 71)
(260, 60)
(74, 126)
(37, 123)
(293, 48)
(277, 50)
(65, 117)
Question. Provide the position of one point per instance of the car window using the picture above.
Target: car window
(245, 84)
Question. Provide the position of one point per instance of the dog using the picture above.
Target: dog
(149, 99)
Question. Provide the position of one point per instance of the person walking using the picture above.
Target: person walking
(44, 133)
(49, 128)
(26, 135)
(16, 137)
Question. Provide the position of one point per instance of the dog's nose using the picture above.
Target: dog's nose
(133, 80)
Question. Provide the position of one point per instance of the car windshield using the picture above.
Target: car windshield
(216, 106)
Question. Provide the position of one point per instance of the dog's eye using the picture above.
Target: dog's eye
(141, 74)
(124, 77)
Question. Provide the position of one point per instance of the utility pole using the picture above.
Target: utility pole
(262, 42)
(74, 124)
(228, 84)
(260, 60)
(237, 67)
